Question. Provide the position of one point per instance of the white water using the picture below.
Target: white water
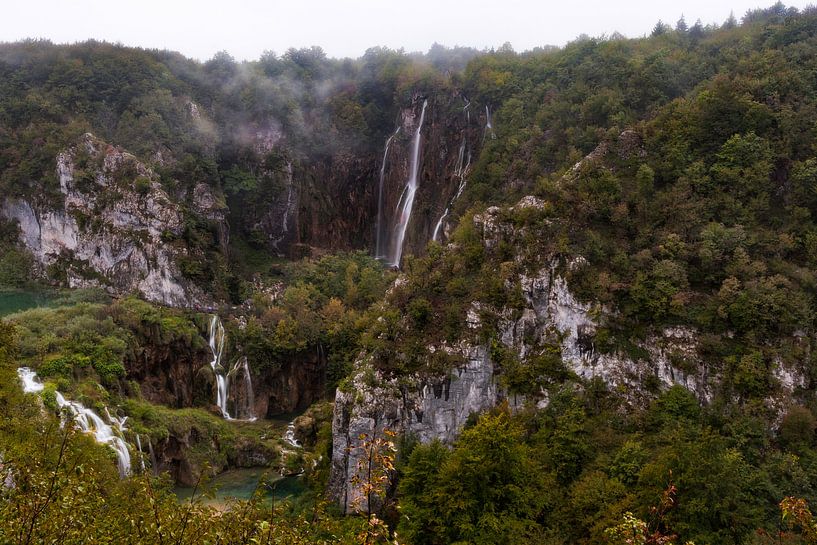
(488, 125)
(216, 343)
(461, 172)
(141, 454)
(379, 251)
(223, 377)
(30, 383)
(87, 420)
(408, 202)
(289, 436)
(285, 218)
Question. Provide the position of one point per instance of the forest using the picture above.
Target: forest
(608, 338)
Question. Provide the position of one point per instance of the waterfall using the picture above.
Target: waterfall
(289, 436)
(30, 383)
(87, 420)
(439, 225)
(141, 454)
(244, 404)
(379, 245)
(460, 172)
(216, 343)
(153, 464)
(285, 217)
(488, 125)
(411, 189)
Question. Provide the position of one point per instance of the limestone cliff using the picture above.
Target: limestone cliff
(112, 227)
(548, 316)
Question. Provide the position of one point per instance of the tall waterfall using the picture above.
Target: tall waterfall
(407, 200)
(217, 348)
(87, 420)
(379, 250)
(244, 404)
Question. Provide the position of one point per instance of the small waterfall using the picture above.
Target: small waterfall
(285, 217)
(153, 465)
(379, 250)
(141, 453)
(408, 198)
(216, 343)
(439, 225)
(489, 126)
(244, 401)
(460, 172)
(289, 436)
(87, 421)
(30, 383)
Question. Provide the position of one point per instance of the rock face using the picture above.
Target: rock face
(112, 228)
(427, 410)
(430, 410)
(172, 374)
(297, 384)
(551, 316)
(178, 374)
(331, 201)
(178, 455)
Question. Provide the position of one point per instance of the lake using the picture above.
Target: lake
(241, 484)
(12, 301)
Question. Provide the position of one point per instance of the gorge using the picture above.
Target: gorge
(461, 296)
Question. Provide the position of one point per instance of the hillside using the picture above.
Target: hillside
(559, 296)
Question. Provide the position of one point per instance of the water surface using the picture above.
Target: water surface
(241, 484)
(12, 301)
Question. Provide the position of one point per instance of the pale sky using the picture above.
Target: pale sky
(246, 28)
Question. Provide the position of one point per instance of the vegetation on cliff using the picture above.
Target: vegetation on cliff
(670, 181)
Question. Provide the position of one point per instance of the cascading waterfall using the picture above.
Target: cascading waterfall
(30, 383)
(289, 436)
(216, 343)
(461, 172)
(87, 420)
(245, 405)
(407, 200)
(379, 244)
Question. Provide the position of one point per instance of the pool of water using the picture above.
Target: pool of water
(242, 483)
(18, 300)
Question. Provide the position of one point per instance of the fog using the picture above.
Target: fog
(346, 28)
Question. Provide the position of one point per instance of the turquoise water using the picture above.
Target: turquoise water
(242, 483)
(19, 300)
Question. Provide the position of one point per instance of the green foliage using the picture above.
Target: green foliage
(491, 487)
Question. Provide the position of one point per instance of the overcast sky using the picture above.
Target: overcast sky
(246, 28)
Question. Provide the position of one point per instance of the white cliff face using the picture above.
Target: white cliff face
(423, 408)
(109, 234)
(437, 409)
(556, 315)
